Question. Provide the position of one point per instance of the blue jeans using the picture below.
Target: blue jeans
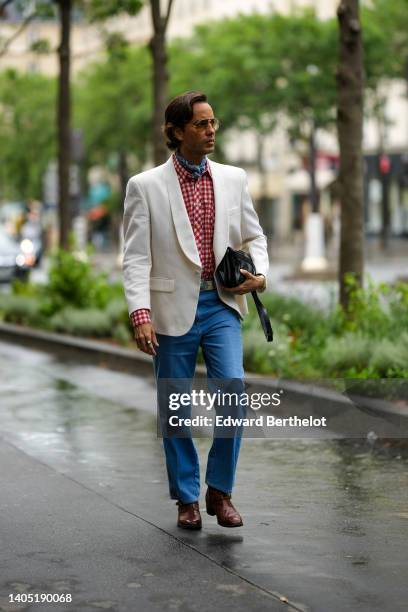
(217, 328)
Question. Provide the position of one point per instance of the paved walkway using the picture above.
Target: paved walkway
(84, 508)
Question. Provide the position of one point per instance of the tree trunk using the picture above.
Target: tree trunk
(263, 204)
(123, 171)
(350, 128)
(383, 172)
(64, 124)
(314, 194)
(117, 213)
(160, 78)
(385, 210)
(315, 258)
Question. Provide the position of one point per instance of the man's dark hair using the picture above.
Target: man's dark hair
(179, 112)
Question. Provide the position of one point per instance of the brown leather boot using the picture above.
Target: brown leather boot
(189, 516)
(220, 504)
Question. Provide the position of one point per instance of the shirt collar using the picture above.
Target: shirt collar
(186, 175)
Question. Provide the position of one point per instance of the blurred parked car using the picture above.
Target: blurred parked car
(14, 263)
(12, 216)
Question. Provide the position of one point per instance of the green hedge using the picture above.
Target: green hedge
(75, 300)
(311, 343)
(308, 342)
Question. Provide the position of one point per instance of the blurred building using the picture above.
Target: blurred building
(281, 186)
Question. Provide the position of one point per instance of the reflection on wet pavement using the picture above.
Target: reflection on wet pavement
(325, 520)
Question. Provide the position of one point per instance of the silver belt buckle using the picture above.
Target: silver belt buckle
(206, 285)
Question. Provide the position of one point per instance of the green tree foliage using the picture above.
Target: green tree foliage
(255, 66)
(256, 70)
(112, 104)
(385, 24)
(27, 126)
(99, 10)
(308, 58)
(385, 41)
(236, 63)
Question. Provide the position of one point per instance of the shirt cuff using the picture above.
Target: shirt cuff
(140, 316)
(262, 289)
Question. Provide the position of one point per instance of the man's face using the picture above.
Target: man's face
(198, 140)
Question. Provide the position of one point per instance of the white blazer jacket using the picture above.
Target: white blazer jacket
(161, 264)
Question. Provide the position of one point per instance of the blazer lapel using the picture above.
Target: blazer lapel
(181, 221)
(221, 214)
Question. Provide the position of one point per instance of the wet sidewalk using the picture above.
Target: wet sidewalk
(85, 508)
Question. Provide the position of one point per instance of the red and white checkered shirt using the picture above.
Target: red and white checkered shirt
(198, 195)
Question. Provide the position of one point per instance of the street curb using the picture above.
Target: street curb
(89, 350)
(103, 354)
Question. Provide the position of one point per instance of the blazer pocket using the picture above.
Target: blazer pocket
(161, 284)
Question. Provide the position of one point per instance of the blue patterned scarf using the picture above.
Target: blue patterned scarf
(196, 170)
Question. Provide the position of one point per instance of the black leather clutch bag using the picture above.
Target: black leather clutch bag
(228, 274)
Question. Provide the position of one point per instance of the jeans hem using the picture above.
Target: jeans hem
(218, 487)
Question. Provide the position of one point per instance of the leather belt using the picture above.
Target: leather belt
(206, 285)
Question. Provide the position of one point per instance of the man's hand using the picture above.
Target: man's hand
(146, 338)
(252, 283)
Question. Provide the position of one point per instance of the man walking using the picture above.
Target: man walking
(179, 219)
